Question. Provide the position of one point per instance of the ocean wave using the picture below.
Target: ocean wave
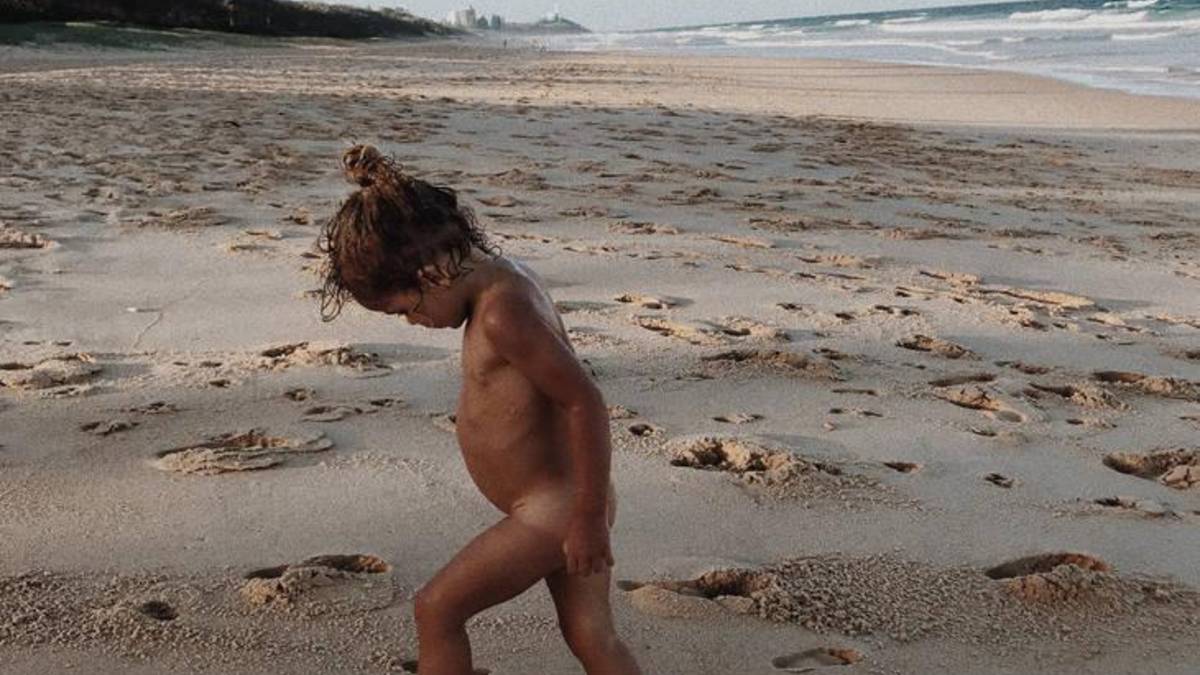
(1051, 15)
(908, 19)
(846, 23)
(1126, 37)
(1095, 22)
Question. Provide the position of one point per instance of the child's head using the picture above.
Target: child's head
(389, 230)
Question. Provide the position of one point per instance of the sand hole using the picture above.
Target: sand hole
(159, 610)
(1045, 563)
(903, 467)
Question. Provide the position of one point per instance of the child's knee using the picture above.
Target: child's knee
(590, 637)
(434, 607)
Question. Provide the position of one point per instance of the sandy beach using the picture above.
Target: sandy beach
(903, 363)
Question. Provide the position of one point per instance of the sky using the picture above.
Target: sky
(612, 15)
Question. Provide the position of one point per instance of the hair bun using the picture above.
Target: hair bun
(362, 165)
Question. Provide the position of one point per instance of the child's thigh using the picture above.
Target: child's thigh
(498, 565)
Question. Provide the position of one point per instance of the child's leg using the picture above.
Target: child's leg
(499, 564)
(585, 618)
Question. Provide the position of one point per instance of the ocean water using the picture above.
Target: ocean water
(1138, 46)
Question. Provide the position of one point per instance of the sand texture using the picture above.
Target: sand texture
(903, 364)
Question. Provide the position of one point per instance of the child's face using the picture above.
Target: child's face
(401, 303)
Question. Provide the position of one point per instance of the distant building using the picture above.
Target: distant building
(497, 22)
(463, 18)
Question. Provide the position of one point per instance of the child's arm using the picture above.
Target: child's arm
(524, 338)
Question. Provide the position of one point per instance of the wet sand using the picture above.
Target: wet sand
(868, 334)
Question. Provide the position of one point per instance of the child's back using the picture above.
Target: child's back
(532, 425)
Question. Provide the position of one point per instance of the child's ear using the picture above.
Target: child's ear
(432, 278)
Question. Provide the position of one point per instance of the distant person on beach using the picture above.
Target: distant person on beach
(532, 425)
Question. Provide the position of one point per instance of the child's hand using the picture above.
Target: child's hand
(586, 545)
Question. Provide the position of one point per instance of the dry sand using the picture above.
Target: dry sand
(869, 334)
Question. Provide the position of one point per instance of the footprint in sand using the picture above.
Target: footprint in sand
(12, 238)
(1179, 469)
(646, 301)
(445, 421)
(772, 361)
(334, 413)
(1143, 507)
(710, 595)
(738, 418)
(740, 326)
(1083, 394)
(629, 227)
(55, 371)
(1000, 480)
(325, 584)
(903, 467)
(696, 335)
(107, 427)
(501, 201)
(779, 470)
(1165, 387)
(246, 451)
(321, 354)
(154, 408)
(813, 659)
(925, 343)
(1051, 576)
(743, 242)
(976, 398)
(411, 666)
(967, 378)
(299, 394)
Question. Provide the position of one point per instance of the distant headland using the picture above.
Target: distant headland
(257, 17)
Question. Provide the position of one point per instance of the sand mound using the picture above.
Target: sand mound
(52, 372)
(234, 451)
(324, 584)
(1179, 469)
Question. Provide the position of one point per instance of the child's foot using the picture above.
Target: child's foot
(411, 667)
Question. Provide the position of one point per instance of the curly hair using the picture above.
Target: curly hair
(388, 230)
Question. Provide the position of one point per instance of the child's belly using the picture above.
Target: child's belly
(513, 445)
